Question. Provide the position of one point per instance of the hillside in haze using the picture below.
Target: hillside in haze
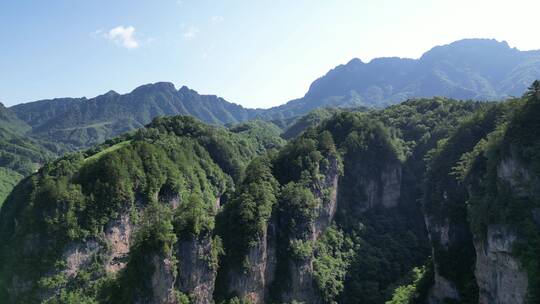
(479, 69)
(20, 155)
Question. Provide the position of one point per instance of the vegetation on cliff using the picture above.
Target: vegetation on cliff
(339, 202)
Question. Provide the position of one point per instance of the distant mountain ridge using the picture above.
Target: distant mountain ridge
(19, 154)
(480, 69)
(84, 122)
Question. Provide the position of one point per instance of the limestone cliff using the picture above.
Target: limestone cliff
(301, 286)
(196, 269)
(499, 275)
(252, 280)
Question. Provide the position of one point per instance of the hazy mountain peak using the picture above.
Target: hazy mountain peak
(355, 61)
(186, 90)
(109, 94)
(152, 87)
(482, 69)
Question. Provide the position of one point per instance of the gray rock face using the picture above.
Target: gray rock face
(442, 290)
(302, 287)
(196, 274)
(78, 256)
(391, 186)
(163, 280)
(384, 190)
(510, 170)
(118, 235)
(499, 275)
(253, 281)
(327, 191)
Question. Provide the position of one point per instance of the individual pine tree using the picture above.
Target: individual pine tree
(534, 90)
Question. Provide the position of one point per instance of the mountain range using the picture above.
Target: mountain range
(479, 69)
(429, 201)
(346, 195)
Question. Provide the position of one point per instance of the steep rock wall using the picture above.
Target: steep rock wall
(499, 276)
(302, 287)
(196, 272)
(252, 282)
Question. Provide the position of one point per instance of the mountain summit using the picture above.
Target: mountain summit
(481, 69)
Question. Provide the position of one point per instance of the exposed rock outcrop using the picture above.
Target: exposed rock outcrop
(326, 191)
(118, 235)
(302, 287)
(381, 188)
(252, 282)
(78, 256)
(499, 275)
(196, 271)
(162, 280)
(449, 237)
(442, 290)
(513, 172)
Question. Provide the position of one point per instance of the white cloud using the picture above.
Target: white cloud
(217, 19)
(124, 36)
(191, 33)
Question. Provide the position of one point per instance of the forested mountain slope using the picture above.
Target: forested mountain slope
(182, 212)
(83, 216)
(431, 200)
(82, 122)
(19, 154)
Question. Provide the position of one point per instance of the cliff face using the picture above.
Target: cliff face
(450, 239)
(498, 272)
(443, 288)
(386, 190)
(372, 187)
(118, 236)
(499, 275)
(196, 271)
(489, 196)
(252, 281)
(109, 253)
(161, 281)
(326, 190)
(302, 286)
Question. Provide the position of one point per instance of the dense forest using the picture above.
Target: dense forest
(20, 155)
(431, 200)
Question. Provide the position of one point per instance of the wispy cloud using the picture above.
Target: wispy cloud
(217, 19)
(190, 33)
(123, 36)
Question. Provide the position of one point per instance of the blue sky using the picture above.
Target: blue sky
(257, 53)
